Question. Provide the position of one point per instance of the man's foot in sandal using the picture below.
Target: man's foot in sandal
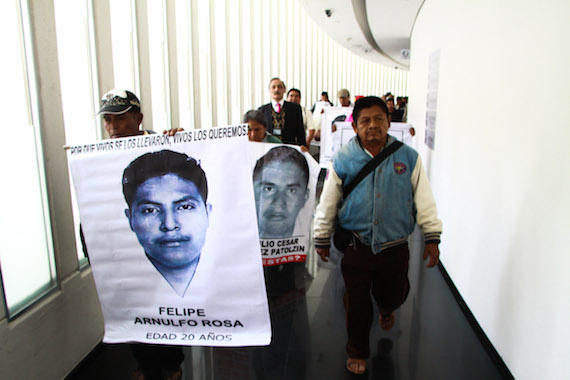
(356, 366)
(387, 321)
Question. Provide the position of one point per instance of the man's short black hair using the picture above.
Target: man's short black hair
(157, 164)
(255, 115)
(294, 89)
(367, 102)
(283, 154)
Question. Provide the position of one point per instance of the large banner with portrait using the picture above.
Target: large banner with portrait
(344, 132)
(168, 228)
(330, 131)
(284, 182)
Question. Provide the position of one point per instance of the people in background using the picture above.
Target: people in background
(294, 96)
(402, 105)
(344, 98)
(324, 98)
(257, 128)
(395, 114)
(386, 96)
(284, 120)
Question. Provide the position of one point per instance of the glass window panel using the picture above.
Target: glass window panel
(220, 77)
(235, 60)
(280, 20)
(246, 57)
(26, 253)
(307, 99)
(202, 18)
(158, 58)
(289, 55)
(72, 27)
(185, 68)
(266, 22)
(125, 52)
(76, 78)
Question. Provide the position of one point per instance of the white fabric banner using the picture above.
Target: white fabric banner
(402, 132)
(284, 182)
(329, 131)
(344, 132)
(169, 224)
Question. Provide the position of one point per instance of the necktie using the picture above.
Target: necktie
(278, 107)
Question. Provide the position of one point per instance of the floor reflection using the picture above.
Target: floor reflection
(289, 351)
(431, 338)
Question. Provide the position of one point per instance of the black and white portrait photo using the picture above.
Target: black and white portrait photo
(166, 193)
(284, 185)
(280, 181)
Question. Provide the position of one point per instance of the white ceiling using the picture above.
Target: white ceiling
(375, 29)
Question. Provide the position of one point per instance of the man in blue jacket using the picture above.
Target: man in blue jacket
(380, 213)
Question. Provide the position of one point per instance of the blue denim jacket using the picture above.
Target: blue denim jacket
(380, 210)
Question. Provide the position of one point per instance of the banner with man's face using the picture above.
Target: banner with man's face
(284, 183)
(168, 227)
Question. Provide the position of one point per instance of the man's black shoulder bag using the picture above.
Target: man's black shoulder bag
(342, 237)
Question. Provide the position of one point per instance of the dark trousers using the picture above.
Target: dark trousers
(385, 275)
(152, 359)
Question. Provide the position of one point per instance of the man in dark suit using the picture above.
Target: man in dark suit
(284, 119)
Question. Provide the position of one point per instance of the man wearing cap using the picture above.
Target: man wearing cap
(122, 116)
(343, 98)
(121, 113)
(344, 101)
(284, 119)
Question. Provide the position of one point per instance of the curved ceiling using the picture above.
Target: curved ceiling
(378, 30)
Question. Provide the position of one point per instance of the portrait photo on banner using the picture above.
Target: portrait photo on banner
(284, 183)
(330, 131)
(171, 233)
(344, 132)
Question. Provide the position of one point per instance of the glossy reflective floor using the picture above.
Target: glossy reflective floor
(432, 339)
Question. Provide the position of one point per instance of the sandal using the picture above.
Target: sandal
(356, 366)
(387, 321)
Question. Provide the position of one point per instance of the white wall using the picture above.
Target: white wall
(501, 170)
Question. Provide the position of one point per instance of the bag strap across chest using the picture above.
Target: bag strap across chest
(371, 165)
